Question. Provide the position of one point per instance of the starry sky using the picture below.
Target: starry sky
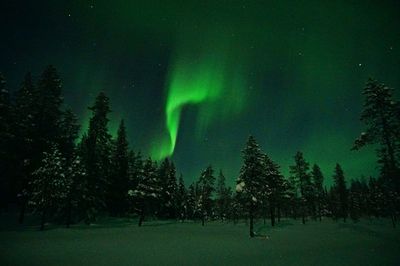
(193, 79)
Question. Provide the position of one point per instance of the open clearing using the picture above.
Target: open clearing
(121, 242)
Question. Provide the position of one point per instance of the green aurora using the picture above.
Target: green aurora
(193, 79)
(205, 80)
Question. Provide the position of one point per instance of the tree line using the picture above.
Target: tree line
(49, 170)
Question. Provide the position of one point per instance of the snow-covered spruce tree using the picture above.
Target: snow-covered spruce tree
(69, 130)
(76, 174)
(340, 193)
(167, 176)
(272, 187)
(191, 202)
(181, 200)
(249, 182)
(206, 189)
(46, 116)
(147, 193)
(134, 174)
(301, 180)
(97, 158)
(318, 182)
(119, 180)
(50, 185)
(26, 111)
(223, 197)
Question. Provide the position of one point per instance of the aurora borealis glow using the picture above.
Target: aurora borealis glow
(208, 80)
(193, 79)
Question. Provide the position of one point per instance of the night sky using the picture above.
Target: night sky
(193, 79)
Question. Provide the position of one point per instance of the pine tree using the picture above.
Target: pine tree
(285, 199)
(318, 182)
(26, 127)
(236, 208)
(50, 185)
(69, 130)
(364, 197)
(167, 176)
(380, 115)
(250, 179)
(223, 199)
(49, 114)
(355, 200)
(97, 157)
(206, 188)
(272, 186)
(293, 195)
(76, 173)
(302, 183)
(375, 197)
(340, 193)
(191, 202)
(134, 173)
(147, 193)
(119, 182)
(181, 199)
(45, 116)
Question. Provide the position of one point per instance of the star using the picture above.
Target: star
(359, 64)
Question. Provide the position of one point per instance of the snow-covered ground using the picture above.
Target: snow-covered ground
(121, 242)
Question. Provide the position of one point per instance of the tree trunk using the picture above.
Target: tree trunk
(43, 220)
(279, 214)
(202, 220)
(320, 213)
(388, 143)
(251, 221)
(393, 220)
(22, 212)
(303, 218)
(141, 218)
(272, 212)
(69, 210)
